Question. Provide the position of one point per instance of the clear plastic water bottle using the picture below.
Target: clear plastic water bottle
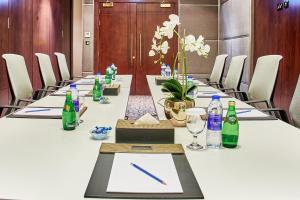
(214, 123)
(190, 80)
(168, 71)
(75, 99)
(163, 70)
(175, 74)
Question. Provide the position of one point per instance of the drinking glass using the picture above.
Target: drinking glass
(82, 104)
(195, 123)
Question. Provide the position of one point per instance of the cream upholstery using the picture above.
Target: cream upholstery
(217, 72)
(235, 71)
(63, 66)
(264, 78)
(46, 70)
(18, 76)
(295, 106)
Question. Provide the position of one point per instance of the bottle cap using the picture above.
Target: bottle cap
(72, 85)
(69, 93)
(190, 76)
(231, 103)
(98, 73)
(215, 97)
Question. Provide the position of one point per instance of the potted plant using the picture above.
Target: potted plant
(178, 87)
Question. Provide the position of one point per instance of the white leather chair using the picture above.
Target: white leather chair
(47, 73)
(19, 81)
(63, 69)
(233, 79)
(294, 109)
(261, 88)
(218, 70)
(63, 66)
(295, 106)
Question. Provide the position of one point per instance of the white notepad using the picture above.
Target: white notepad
(86, 81)
(40, 112)
(212, 93)
(124, 178)
(64, 92)
(199, 83)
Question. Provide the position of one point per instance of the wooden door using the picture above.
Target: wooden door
(149, 16)
(116, 37)
(123, 35)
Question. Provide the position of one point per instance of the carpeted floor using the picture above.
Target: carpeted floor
(138, 106)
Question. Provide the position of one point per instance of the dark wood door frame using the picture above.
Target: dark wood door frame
(97, 40)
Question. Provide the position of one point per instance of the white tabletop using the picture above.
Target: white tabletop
(265, 165)
(38, 160)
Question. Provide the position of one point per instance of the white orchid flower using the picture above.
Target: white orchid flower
(174, 19)
(154, 45)
(157, 33)
(167, 30)
(190, 43)
(164, 47)
(206, 48)
(151, 53)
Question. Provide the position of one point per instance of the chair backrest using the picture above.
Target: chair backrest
(235, 71)
(295, 106)
(18, 76)
(217, 72)
(264, 78)
(63, 66)
(46, 69)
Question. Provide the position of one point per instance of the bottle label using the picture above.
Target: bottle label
(76, 105)
(214, 122)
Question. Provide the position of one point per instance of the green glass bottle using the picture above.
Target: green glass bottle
(97, 90)
(230, 131)
(69, 113)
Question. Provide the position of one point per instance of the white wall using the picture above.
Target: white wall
(77, 38)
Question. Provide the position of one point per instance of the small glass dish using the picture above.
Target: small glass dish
(104, 100)
(100, 133)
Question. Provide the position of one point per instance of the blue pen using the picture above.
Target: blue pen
(148, 173)
(244, 111)
(39, 110)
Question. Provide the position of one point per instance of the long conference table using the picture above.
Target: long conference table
(38, 160)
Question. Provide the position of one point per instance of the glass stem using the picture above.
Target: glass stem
(195, 142)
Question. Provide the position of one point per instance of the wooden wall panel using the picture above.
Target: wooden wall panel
(35, 26)
(4, 8)
(278, 32)
(41, 34)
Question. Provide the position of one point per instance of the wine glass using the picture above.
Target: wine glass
(195, 123)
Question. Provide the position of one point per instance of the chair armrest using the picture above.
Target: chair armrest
(275, 111)
(25, 100)
(253, 102)
(11, 107)
(239, 94)
(39, 93)
(54, 86)
(227, 89)
(65, 82)
(207, 79)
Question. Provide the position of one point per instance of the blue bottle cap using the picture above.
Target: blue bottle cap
(98, 73)
(190, 76)
(215, 97)
(72, 85)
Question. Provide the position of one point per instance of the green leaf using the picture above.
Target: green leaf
(191, 88)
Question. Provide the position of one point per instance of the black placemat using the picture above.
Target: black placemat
(99, 180)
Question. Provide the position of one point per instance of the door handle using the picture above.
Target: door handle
(140, 50)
